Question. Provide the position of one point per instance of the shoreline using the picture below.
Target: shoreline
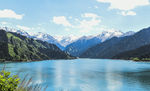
(6, 61)
(10, 61)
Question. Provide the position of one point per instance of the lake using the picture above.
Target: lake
(86, 74)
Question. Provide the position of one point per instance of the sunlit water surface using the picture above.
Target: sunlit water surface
(86, 74)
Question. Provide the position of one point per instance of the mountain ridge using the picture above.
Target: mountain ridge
(16, 47)
(127, 43)
(82, 44)
(141, 53)
(67, 43)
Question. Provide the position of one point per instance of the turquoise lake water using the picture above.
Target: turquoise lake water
(86, 74)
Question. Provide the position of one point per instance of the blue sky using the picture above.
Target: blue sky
(75, 17)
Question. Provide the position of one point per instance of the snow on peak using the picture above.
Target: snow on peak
(66, 40)
(22, 32)
(128, 33)
(44, 37)
(86, 37)
(109, 34)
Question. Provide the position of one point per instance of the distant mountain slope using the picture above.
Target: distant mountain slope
(82, 44)
(100, 48)
(15, 47)
(48, 38)
(127, 43)
(141, 53)
(66, 40)
(79, 46)
(129, 33)
(38, 36)
(22, 32)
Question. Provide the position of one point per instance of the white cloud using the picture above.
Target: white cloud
(125, 4)
(7, 13)
(87, 25)
(23, 27)
(127, 13)
(62, 20)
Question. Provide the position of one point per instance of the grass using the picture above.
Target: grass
(26, 85)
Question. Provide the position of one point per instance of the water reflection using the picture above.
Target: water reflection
(58, 74)
(86, 74)
(114, 80)
(39, 75)
(72, 73)
(65, 76)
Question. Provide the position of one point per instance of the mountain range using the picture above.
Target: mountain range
(108, 45)
(46, 37)
(61, 43)
(64, 42)
(116, 46)
(16, 47)
(82, 44)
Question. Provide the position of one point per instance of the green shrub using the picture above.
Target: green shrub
(136, 59)
(8, 82)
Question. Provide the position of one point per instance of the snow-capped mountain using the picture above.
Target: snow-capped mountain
(82, 44)
(128, 33)
(109, 34)
(66, 40)
(22, 32)
(72, 44)
(86, 37)
(39, 36)
(105, 35)
(46, 37)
